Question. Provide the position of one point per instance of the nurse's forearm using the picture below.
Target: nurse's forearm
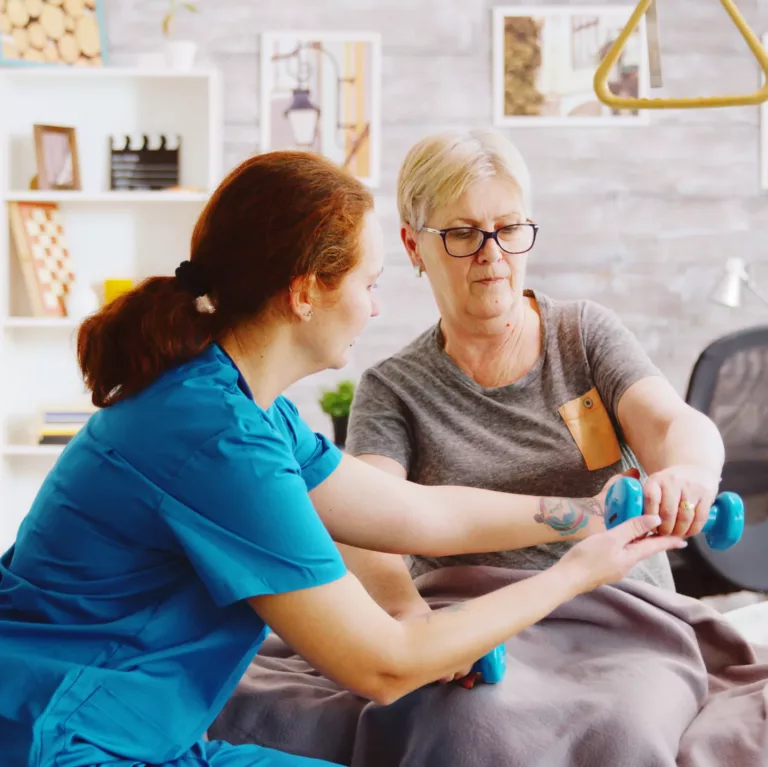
(338, 629)
(365, 507)
(483, 519)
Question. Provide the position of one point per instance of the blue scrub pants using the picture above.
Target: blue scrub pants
(219, 754)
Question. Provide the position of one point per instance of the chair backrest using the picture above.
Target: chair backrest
(729, 383)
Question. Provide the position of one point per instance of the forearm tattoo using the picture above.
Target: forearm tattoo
(566, 515)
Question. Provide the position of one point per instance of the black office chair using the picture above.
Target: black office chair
(729, 383)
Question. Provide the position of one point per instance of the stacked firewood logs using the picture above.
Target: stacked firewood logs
(53, 31)
(522, 61)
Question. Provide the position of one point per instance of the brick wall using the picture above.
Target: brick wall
(638, 218)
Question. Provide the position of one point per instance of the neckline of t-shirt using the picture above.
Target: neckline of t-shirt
(532, 375)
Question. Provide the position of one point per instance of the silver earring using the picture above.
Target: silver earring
(419, 270)
(309, 314)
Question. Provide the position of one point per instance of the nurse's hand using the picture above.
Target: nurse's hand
(607, 557)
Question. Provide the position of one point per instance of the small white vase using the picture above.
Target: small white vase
(180, 55)
(82, 301)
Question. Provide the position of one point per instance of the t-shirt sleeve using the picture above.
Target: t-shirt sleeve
(379, 422)
(616, 357)
(240, 511)
(316, 455)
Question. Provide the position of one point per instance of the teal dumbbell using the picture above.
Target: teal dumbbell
(493, 665)
(723, 529)
(490, 668)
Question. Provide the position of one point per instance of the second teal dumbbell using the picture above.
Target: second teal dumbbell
(492, 666)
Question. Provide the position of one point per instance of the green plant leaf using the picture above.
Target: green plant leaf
(337, 402)
(190, 7)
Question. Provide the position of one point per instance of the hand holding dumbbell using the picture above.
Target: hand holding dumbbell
(722, 530)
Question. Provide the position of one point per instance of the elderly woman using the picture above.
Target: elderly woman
(511, 389)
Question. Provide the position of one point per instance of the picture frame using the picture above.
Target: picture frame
(53, 34)
(764, 133)
(58, 166)
(321, 92)
(545, 58)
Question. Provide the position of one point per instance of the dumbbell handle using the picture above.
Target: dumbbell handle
(723, 528)
(711, 519)
(492, 666)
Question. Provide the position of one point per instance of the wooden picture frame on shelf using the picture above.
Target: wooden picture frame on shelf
(58, 165)
(71, 33)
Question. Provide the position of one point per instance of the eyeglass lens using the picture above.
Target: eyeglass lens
(465, 241)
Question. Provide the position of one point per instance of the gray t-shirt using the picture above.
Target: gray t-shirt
(554, 432)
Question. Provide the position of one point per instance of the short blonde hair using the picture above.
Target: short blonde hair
(439, 169)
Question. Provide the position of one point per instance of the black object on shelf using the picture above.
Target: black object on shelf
(148, 162)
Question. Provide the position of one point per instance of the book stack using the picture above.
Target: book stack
(59, 425)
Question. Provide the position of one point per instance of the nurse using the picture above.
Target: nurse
(196, 508)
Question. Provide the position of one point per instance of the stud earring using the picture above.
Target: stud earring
(309, 314)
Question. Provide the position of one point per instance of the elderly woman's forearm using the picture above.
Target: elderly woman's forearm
(691, 438)
(384, 576)
(663, 431)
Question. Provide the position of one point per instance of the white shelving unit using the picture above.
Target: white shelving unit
(109, 234)
(107, 197)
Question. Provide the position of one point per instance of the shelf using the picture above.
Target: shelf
(31, 71)
(31, 450)
(40, 322)
(105, 197)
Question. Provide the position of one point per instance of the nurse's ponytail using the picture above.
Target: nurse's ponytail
(276, 216)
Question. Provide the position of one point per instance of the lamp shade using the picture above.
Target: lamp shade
(728, 291)
(302, 116)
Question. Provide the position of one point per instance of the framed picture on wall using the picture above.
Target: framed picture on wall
(321, 92)
(764, 134)
(71, 33)
(58, 166)
(544, 63)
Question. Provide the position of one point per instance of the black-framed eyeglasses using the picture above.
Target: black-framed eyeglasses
(465, 241)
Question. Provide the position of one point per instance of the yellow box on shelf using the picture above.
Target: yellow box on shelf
(116, 287)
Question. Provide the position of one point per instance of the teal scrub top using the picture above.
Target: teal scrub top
(123, 629)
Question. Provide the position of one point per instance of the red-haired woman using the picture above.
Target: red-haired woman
(196, 508)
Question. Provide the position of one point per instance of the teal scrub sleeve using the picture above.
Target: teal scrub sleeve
(317, 456)
(240, 510)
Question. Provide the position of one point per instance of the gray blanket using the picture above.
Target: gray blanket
(626, 676)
